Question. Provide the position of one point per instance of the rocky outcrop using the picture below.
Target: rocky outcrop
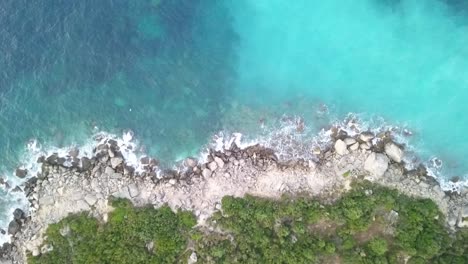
(71, 184)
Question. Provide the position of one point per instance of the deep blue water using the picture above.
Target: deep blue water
(177, 71)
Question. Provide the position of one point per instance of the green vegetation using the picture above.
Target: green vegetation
(369, 224)
(132, 235)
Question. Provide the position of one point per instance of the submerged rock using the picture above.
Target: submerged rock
(394, 152)
(145, 160)
(18, 214)
(190, 162)
(14, 227)
(21, 173)
(376, 164)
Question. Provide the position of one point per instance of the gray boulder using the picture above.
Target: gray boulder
(14, 227)
(394, 152)
(376, 164)
(21, 173)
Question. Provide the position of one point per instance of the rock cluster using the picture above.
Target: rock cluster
(71, 184)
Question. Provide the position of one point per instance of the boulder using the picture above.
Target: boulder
(85, 163)
(17, 189)
(365, 146)
(109, 171)
(13, 227)
(349, 141)
(18, 214)
(91, 199)
(341, 147)
(145, 160)
(193, 258)
(190, 162)
(354, 147)
(316, 150)
(219, 162)
(394, 152)
(464, 213)
(376, 164)
(366, 136)
(52, 159)
(21, 173)
(206, 173)
(213, 165)
(133, 190)
(116, 161)
(74, 152)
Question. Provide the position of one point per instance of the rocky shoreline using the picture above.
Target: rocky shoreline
(71, 184)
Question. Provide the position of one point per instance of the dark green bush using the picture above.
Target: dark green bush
(355, 229)
(124, 239)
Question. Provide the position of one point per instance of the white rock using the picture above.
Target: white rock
(46, 200)
(116, 175)
(366, 136)
(354, 147)
(82, 205)
(206, 173)
(91, 199)
(394, 152)
(365, 146)
(464, 212)
(172, 181)
(212, 166)
(133, 190)
(376, 164)
(340, 147)
(316, 150)
(108, 170)
(219, 162)
(190, 162)
(349, 141)
(116, 162)
(193, 258)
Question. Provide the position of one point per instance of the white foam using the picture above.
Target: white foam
(34, 150)
(287, 138)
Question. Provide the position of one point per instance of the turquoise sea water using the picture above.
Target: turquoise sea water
(177, 71)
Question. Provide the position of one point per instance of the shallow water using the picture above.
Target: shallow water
(176, 72)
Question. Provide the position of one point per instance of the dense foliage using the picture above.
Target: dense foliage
(369, 224)
(132, 235)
